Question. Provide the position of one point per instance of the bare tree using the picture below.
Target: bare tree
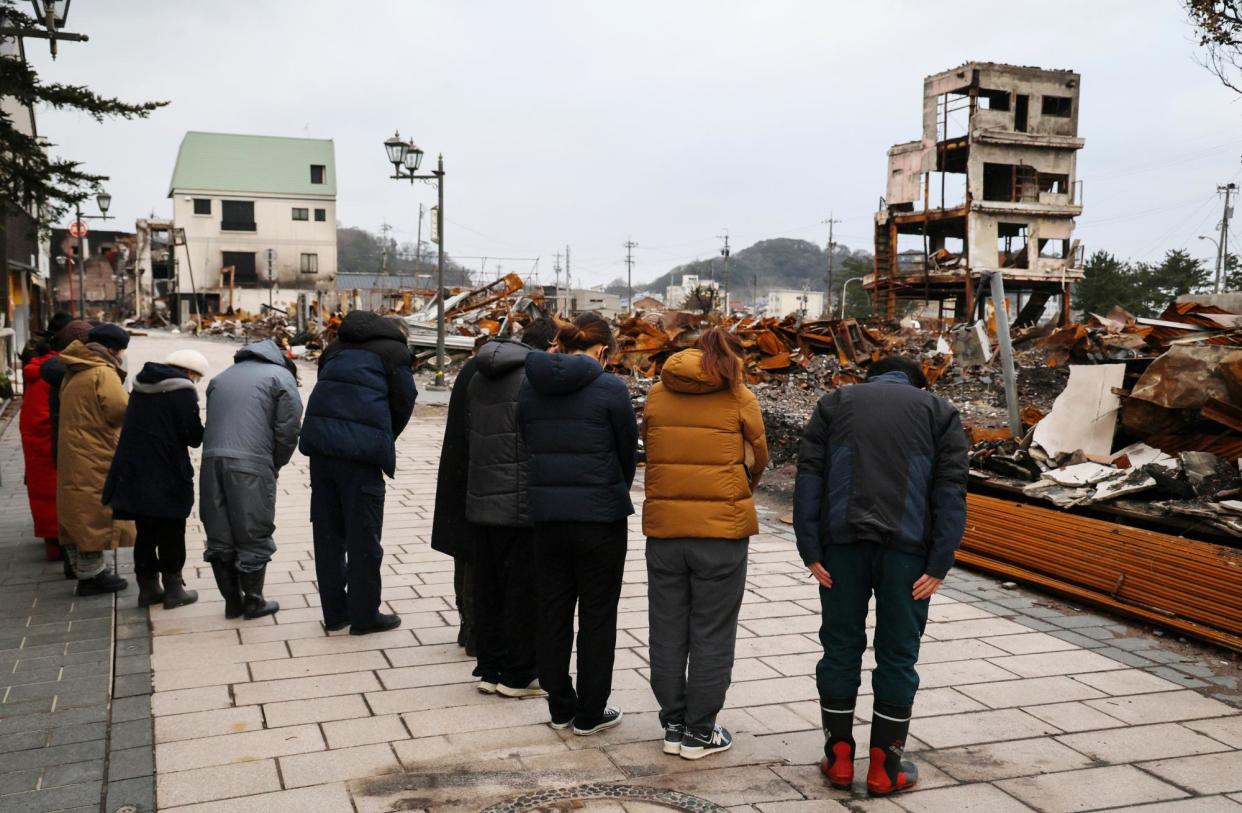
(1219, 27)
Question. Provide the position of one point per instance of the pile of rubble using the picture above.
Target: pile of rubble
(1152, 409)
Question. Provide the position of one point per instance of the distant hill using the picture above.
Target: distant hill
(777, 263)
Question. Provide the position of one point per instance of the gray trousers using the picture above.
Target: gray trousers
(86, 564)
(237, 504)
(694, 593)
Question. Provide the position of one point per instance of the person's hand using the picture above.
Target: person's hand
(926, 586)
(821, 575)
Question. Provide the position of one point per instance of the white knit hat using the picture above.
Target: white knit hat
(191, 360)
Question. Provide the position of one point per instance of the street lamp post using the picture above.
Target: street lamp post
(104, 201)
(51, 14)
(844, 287)
(407, 155)
(1220, 261)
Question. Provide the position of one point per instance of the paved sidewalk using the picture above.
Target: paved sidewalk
(1026, 703)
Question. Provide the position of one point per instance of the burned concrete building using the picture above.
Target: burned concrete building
(992, 184)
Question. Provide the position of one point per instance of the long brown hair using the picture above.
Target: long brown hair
(588, 330)
(722, 354)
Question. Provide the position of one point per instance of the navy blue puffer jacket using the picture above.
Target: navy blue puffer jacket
(364, 396)
(581, 438)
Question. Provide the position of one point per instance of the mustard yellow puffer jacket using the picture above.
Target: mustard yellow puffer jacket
(706, 451)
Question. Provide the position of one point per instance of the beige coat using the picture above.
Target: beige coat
(92, 409)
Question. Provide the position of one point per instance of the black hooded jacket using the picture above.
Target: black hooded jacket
(496, 478)
(151, 474)
(581, 437)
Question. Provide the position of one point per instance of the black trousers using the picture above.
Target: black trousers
(580, 564)
(159, 547)
(347, 515)
(505, 605)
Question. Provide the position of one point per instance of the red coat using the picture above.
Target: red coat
(36, 430)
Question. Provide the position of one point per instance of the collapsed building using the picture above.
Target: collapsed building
(991, 185)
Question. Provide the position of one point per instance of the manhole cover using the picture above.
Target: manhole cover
(635, 798)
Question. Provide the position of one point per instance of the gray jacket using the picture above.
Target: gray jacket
(254, 411)
(496, 476)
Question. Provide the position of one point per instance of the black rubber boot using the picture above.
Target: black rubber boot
(255, 606)
(103, 582)
(148, 590)
(67, 568)
(888, 772)
(837, 717)
(230, 587)
(175, 594)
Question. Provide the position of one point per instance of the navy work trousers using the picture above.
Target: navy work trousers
(347, 515)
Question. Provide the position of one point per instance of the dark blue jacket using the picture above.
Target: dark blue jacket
(581, 438)
(364, 396)
(883, 462)
(151, 475)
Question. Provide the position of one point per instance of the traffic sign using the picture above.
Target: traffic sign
(77, 229)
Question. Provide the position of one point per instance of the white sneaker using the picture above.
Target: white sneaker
(487, 688)
(531, 690)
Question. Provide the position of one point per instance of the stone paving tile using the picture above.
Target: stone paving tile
(1090, 789)
(980, 798)
(1226, 729)
(217, 782)
(183, 755)
(1210, 773)
(984, 726)
(1161, 707)
(1044, 664)
(1005, 760)
(341, 764)
(1030, 692)
(1138, 743)
(194, 725)
(1202, 804)
(1126, 681)
(318, 799)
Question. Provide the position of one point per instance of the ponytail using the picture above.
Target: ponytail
(722, 355)
(588, 330)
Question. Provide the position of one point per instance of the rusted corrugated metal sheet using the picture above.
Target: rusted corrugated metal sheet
(1190, 586)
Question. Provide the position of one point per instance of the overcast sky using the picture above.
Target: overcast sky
(663, 121)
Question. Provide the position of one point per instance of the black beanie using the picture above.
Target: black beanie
(113, 337)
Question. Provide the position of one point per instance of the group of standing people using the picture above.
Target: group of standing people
(540, 453)
(539, 456)
(109, 468)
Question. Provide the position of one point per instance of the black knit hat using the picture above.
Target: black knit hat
(113, 337)
(56, 324)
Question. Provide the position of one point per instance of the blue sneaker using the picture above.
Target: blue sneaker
(697, 745)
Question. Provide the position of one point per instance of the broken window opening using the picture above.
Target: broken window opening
(994, 100)
(1060, 106)
(1054, 249)
(1021, 109)
(1011, 241)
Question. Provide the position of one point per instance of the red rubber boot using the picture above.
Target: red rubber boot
(888, 772)
(838, 763)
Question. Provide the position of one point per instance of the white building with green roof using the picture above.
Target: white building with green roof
(239, 197)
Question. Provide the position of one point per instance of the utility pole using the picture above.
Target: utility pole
(384, 230)
(832, 245)
(569, 280)
(556, 297)
(418, 246)
(724, 274)
(1222, 250)
(630, 245)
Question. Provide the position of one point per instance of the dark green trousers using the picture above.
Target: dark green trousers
(858, 571)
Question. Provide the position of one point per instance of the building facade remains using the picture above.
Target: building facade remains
(991, 185)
